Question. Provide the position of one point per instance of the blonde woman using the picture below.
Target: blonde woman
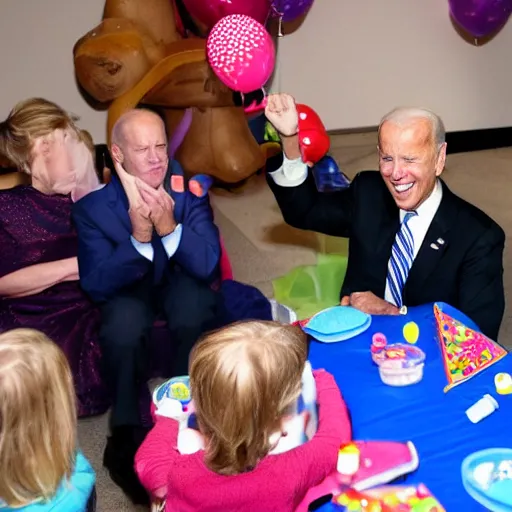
(40, 467)
(39, 285)
(244, 378)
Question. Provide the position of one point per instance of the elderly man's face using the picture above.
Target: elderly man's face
(144, 148)
(409, 161)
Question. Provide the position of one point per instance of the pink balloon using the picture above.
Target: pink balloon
(210, 12)
(241, 53)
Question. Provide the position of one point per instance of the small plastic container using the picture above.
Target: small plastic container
(481, 409)
(400, 365)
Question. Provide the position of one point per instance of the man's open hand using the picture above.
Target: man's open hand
(282, 114)
(139, 211)
(369, 303)
(161, 207)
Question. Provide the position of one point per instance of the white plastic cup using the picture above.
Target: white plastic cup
(481, 409)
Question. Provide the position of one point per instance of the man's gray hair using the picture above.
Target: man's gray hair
(404, 115)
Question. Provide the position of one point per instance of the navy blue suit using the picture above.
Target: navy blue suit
(132, 290)
(107, 258)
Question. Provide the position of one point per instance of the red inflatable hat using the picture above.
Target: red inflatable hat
(313, 138)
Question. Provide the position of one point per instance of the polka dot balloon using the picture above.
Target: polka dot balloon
(241, 53)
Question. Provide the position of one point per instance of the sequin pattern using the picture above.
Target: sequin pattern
(36, 228)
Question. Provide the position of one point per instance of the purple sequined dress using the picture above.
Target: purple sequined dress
(36, 228)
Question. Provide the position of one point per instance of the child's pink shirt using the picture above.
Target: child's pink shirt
(278, 483)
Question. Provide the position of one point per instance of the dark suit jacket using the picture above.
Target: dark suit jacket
(466, 271)
(107, 260)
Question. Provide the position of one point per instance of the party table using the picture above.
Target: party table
(423, 413)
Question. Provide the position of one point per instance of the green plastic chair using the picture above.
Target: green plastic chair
(309, 289)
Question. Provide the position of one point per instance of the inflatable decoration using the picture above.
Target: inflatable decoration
(480, 18)
(241, 53)
(210, 12)
(137, 56)
(290, 10)
(313, 138)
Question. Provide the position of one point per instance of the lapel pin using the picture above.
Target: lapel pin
(440, 241)
(434, 246)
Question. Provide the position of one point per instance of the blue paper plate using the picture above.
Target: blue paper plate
(337, 324)
(487, 478)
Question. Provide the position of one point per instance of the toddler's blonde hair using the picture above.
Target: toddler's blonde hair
(244, 378)
(37, 417)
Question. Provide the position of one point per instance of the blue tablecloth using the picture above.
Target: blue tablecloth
(433, 420)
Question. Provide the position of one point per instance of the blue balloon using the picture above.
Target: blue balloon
(328, 177)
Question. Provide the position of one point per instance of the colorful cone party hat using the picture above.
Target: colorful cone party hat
(465, 352)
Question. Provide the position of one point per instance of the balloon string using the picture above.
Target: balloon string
(278, 56)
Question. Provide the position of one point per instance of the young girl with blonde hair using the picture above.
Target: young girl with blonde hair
(245, 379)
(40, 466)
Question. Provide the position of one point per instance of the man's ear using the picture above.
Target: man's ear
(117, 154)
(441, 159)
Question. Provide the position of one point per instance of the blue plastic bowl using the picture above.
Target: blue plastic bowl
(487, 477)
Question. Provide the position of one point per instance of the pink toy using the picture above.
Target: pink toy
(379, 341)
(241, 53)
(377, 463)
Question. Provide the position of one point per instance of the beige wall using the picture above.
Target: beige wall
(36, 54)
(352, 60)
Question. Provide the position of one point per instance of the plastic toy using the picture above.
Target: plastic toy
(487, 478)
(336, 324)
(399, 364)
(389, 499)
(465, 352)
(411, 332)
(481, 409)
(363, 465)
(379, 342)
(503, 383)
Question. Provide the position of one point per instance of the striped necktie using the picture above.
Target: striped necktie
(402, 256)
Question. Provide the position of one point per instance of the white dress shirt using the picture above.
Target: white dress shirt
(171, 242)
(295, 172)
(419, 224)
(291, 174)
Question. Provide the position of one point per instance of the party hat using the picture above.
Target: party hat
(466, 352)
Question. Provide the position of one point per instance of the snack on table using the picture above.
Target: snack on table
(400, 364)
(389, 499)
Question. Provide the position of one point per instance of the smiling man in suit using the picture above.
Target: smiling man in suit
(142, 254)
(411, 240)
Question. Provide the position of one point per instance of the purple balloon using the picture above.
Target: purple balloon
(291, 9)
(480, 17)
(179, 133)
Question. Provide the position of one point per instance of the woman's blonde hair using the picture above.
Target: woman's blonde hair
(244, 378)
(27, 121)
(37, 417)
